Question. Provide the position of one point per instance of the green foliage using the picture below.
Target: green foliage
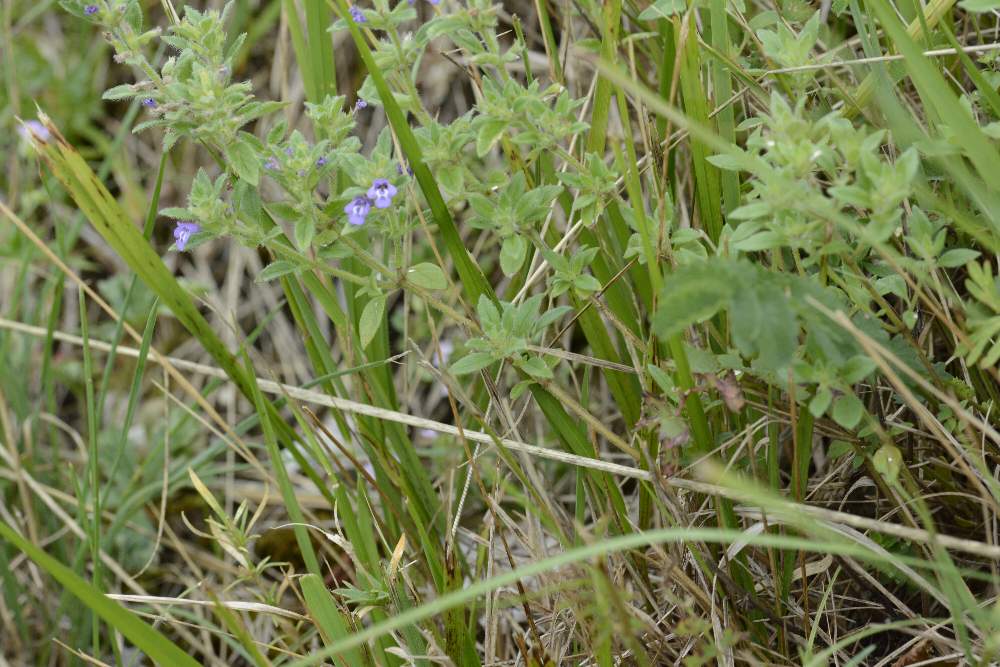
(553, 269)
(508, 331)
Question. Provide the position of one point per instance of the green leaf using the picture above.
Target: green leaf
(471, 363)
(779, 329)
(176, 213)
(305, 232)
(587, 284)
(662, 9)
(243, 158)
(838, 448)
(847, 410)
(692, 294)
(489, 133)
(512, 254)
(957, 257)
(820, 402)
(371, 319)
(888, 461)
(121, 92)
(427, 275)
(276, 270)
(760, 241)
(159, 649)
(979, 6)
(535, 367)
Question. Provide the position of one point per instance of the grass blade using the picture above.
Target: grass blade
(160, 649)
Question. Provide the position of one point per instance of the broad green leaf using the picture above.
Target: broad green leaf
(427, 275)
(305, 232)
(276, 270)
(838, 448)
(957, 257)
(489, 133)
(888, 461)
(371, 319)
(662, 9)
(471, 363)
(535, 367)
(244, 161)
(512, 253)
(847, 410)
(979, 6)
(691, 294)
(820, 402)
(121, 92)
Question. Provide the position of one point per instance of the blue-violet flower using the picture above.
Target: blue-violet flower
(381, 193)
(183, 233)
(358, 15)
(357, 210)
(90, 10)
(149, 103)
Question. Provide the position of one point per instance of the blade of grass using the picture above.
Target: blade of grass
(287, 490)
(149, 640)
(329, 619)
(933, 12)
(582, 554)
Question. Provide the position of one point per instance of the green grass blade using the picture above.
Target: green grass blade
(328, 617)
(601, 548)
(287, 490)
(160, 649)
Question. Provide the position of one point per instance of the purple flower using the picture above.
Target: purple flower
(149, 103)
(183, 233)
(321, 161)
(90, 10)
(358, 15)
(289, 152)
(381, 192)
(399, 170)
(357, 210)
(33, 129)
(434, 2)
(361, 104)
(271, 164)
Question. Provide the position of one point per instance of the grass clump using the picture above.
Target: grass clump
(464, 333)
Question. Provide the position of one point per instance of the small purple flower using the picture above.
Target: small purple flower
(321, 161)
(33, 129)
(381, 193)
(271, 164)
(361, 104)
(434, 2)
(358, 15)
(90, 10)
(399, 170)
(289, 152)
(183, 233)
(357, 210)
(149, 103)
